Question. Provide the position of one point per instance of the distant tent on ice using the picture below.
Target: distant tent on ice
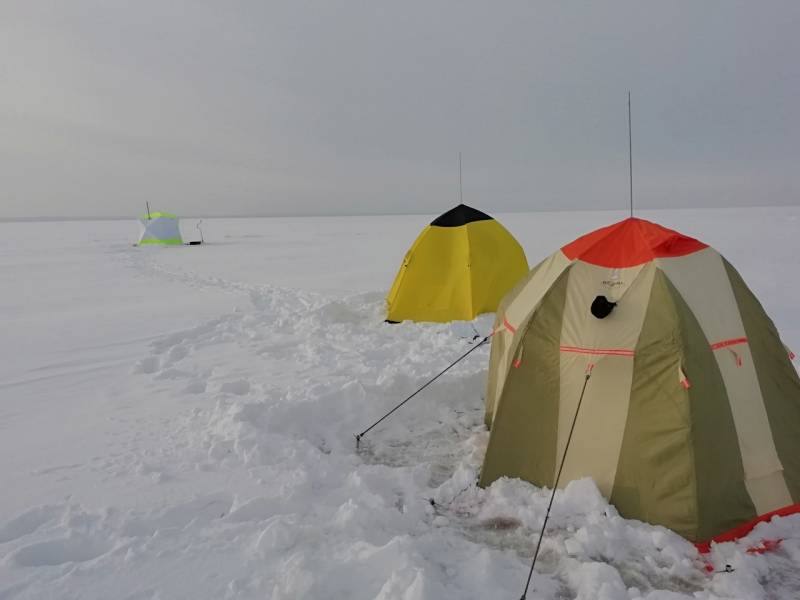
(160, 229)
(691, 415)
(460, 266)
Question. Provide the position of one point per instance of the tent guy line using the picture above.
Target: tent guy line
(358, 436)
(589, 369)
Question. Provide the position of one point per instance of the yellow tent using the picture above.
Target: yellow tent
(460, 266)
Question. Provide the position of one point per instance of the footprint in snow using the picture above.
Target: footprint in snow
(196, 386)
(240, 387)
(198, 511)
(27, 522)
(148, 594)
(176, 353)
(148, 365)
(59, 551)
(279, 535)
(255, 509)
(173, 374)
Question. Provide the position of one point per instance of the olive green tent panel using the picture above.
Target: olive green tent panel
(517, 306)
(658, 430)
(778, 379)
(668, 472)
(498, 343)
(524, 445)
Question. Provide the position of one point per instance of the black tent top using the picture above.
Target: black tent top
(460, 215)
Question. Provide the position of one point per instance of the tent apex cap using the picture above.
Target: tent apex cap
(629, 243)
(460, 215)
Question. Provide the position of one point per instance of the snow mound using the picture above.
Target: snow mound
(219, 460)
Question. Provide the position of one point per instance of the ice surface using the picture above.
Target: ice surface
(178, 423)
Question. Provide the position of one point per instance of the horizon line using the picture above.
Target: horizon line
(57, 218)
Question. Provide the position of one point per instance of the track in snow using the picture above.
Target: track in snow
(264, 495)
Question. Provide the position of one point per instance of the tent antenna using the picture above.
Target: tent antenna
(460, 185)
(630, 151)
(148, 210)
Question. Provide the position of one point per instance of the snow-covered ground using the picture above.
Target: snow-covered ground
(178, 423)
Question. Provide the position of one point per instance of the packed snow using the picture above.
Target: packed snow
(178, 423)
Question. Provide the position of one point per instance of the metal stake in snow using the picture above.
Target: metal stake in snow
(555, 484)
(358, 436)
(148, 210)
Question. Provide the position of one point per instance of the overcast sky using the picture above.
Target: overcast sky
(258, 107)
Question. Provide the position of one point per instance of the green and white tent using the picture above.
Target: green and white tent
(160, 229)
(691, 413)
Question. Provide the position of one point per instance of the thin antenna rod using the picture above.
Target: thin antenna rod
(460, 185)
(630, 150)
(148, 210)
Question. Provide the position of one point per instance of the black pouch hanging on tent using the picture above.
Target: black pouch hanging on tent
(602, 307)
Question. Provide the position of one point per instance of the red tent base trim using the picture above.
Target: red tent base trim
(765, 546)
(741, 531)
